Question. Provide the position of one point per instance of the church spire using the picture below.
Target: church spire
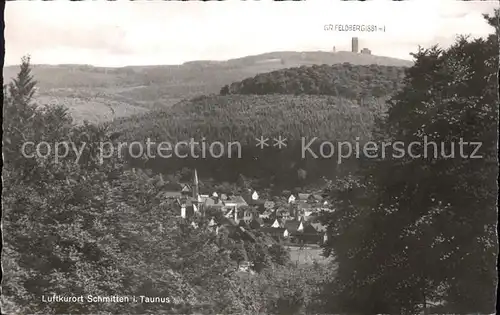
(195, 185)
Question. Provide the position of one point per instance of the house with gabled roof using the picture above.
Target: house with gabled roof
(171, 194)
(202, 199)
(321, 229)
(235, 201)
(255, 195)
(212, 202)
(286, 234)
(251, 197)
(303, 232)
(238, 230)
(310, 235)
(317, 197)
(186, 189)
(318, 226)
(309, 214)
(239, 214)
(291, 199)
(278, 234)
(283, 214)
(278, 223)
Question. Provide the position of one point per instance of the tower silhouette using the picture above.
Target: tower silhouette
(195, 186)
(197, 201)
(355, 46)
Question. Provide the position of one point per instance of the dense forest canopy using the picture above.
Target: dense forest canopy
(334, 113)
(415, 235)
(344, 80)
(343, 103)
(245, 118)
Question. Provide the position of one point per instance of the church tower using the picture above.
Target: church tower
(197, 204)
(196, 195)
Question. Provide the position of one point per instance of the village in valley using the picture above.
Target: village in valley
(292, 221)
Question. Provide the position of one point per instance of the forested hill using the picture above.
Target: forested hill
(346, 80)
(329, 102)
(244, 118)
(328, 106)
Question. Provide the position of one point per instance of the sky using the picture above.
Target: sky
(124, 33)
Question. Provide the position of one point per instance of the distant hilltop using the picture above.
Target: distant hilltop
(312, 57)
(294, 58)
(101, 93)
(202, 62)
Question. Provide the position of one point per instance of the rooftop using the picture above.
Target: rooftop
(238, 200)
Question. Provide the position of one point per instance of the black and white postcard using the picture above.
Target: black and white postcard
(250, 157)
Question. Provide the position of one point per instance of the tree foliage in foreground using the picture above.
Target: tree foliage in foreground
(413, 232)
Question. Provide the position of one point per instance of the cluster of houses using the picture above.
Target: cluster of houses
(291, 222)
